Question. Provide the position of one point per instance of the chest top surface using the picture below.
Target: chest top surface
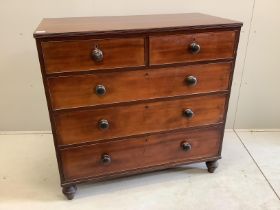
(59, 27)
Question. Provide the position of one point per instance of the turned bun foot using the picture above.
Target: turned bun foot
(212, 165)
(69, 191)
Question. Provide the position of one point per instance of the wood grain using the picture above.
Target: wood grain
(175, 48)
(82, 126)
(131, 154)
(53, 27)
(79, 91)
(145, 96)
(67, 56)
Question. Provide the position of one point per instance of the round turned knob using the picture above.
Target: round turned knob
(106, 159)
(100, 90)
(186, 146)
(194, 48)
(97, 54)
(191, 80)
(103, 124)
(188, 113)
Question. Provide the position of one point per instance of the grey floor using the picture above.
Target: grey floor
(248, 178)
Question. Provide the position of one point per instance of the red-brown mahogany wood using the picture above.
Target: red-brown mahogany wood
(149, 50)
(135, 153)
(67, 56)
(176, 48)
(83, 126)
(80, 26)
(80, 90)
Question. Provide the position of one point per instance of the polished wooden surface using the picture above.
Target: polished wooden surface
(50, 27)
(82, 126)
(67, 56)
(175, 48)
(131, 154)
(79, 91)
(148, 110)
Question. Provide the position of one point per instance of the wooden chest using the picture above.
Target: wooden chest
(128, 95)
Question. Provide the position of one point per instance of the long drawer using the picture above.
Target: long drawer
(139, 153)
(115, 87)
(105, 123)
(182, 48)
(92, 54)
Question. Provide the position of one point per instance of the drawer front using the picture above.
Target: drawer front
(106, 88)
(138, 153)
(105, 123)
(184, 48)
(81, 55)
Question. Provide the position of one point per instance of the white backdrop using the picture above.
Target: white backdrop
(255, 105)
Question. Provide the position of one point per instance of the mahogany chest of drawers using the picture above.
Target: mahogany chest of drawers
(128, 95)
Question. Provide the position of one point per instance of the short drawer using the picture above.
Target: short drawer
(183, 48)
(82, 55)
(107, 88)
(127, 120)
(139, 153)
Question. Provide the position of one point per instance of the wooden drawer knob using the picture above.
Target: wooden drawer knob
(103, 124)
(186, 146)
(194, 48)
(97, 54)
(191, 80)
(100, 90)
(188, 113)
(106, 159)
